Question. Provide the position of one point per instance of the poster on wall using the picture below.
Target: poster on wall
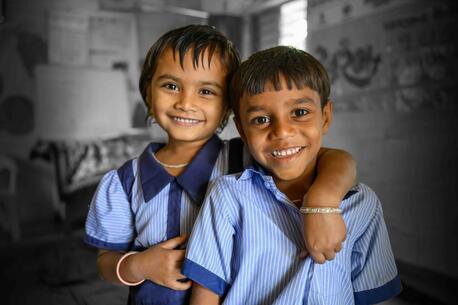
(68, 38)
(395, 60)
(113, 43)
(94, 39)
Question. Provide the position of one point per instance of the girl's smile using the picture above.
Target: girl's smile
(186, 122)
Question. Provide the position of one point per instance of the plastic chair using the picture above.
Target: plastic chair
(9, 214)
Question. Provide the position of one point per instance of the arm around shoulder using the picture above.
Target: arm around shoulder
(336, 174)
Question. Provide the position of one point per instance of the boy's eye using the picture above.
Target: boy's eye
(170, 86)
(260, 120)
(300, 112)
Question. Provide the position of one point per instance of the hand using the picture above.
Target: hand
(323, 235)
(162, 263)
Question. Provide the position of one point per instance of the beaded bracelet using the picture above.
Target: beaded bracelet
(118, 265)
(308, 210)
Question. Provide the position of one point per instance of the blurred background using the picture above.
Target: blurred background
(70, 110)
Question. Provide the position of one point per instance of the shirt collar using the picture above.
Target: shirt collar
(193, 180)
(152, 175)
(256, 169)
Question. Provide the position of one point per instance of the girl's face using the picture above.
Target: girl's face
(188, 102)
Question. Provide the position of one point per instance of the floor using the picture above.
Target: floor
(51, 265)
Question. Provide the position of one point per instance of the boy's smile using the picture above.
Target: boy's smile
(188, 101)
(283, 130)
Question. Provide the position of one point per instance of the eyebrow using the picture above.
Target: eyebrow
(215, 84)
(254, 109)
(168, 76)
(202, 83)
(302, 100)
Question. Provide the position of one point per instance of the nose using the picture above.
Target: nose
(282, 129)
(185, 102)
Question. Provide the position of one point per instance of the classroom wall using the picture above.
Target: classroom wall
(393, 66)
(34, 53)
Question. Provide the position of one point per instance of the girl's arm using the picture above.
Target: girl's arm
(324, 233)
(203, 296)
(160, 264)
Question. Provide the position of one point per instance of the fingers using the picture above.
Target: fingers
(179, 282)
(321, 255)
(177, 285)
(318, 257)
(338, 248)
(329, 255)
(175, 242)
(178, 256)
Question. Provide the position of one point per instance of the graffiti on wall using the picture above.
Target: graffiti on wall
(357, 66)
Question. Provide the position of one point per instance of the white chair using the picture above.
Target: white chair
(9, 211)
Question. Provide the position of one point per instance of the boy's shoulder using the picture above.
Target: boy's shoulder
(360, 207)
(235, 180)
(231, 188)
(226, 183)
(361, 192)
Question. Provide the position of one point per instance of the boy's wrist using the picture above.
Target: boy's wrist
(319, 199)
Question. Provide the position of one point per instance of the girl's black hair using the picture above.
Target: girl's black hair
(198, 39)
(297, 67)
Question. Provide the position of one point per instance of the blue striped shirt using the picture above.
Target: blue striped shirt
(160, 207)
(247, 237)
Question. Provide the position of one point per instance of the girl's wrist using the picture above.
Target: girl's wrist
(128, 270)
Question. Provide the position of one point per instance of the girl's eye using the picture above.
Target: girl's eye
(300, 112)
(260, 120)
(170, 86)
(206, 92)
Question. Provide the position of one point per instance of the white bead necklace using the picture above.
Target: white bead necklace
(170, 165)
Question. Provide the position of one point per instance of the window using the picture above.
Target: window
(293, 24)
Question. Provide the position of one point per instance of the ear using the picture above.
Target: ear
(238, 124)
(327, 117)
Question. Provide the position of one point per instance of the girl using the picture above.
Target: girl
(141, 213)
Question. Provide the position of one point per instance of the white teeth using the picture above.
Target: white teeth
(186, 121)
(286, 152)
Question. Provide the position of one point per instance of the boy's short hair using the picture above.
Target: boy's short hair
(199, 39)
(297, 67)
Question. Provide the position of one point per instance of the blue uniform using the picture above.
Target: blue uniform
(247, 237)
(141, 205)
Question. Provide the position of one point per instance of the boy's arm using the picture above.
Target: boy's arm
(324, 233)
(210, 250)
(372, 254)
(203, 296)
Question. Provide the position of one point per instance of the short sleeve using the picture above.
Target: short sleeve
(374, 274)
(210, 247)
(110, 221)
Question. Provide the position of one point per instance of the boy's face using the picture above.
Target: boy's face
(188, 102)
(283, 129)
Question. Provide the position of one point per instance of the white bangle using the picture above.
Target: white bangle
(118, 265)
(308, 210)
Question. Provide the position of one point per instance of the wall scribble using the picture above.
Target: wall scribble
(357, 66)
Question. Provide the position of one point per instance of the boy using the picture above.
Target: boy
(245, 242)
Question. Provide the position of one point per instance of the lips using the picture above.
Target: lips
(286, 152)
